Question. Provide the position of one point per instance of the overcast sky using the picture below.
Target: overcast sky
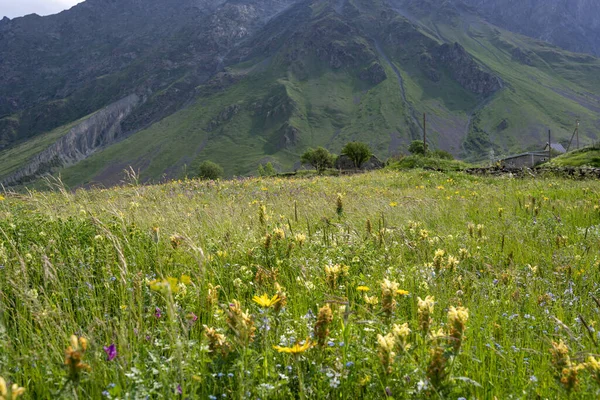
(18, 8)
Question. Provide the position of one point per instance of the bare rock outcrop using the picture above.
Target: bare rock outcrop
(101, 129)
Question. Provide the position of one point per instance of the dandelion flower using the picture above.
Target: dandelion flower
(295, 349)
(265, 301)
(363, 288)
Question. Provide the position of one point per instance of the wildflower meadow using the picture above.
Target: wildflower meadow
(398, 285)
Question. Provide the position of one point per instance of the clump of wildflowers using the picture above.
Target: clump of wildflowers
(217, 342)
(324, 318)
(424, 312)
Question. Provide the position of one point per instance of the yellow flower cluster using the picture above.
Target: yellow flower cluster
(385, 351)
(333, 274)
(169, 284)
(424, 312)
(12, 392)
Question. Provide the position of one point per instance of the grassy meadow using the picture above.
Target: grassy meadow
(382, 285)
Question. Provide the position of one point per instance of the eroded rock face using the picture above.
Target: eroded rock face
(101, 129)
(466, 71)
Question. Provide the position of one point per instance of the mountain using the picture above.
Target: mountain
(571, 24)
(161, 84)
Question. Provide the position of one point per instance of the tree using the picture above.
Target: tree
(270, 170)
(319, 158)
(357, 152)
(417, 148)
(209, 170)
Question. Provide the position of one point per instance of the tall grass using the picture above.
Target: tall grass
(387, 284)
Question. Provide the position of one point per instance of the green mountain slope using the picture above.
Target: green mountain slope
(323, 73)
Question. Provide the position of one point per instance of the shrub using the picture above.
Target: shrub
(208, 170)
(417, 147)
(442, 155)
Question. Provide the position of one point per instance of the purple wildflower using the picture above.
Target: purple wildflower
(157, 312)
(111, 352)
(192, 318)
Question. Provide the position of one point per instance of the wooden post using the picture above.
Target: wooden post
(425, 132)
(549, 145)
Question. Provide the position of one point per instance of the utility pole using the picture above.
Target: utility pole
(575, 132)
(549, 145)
(577, 129)
(425, 132)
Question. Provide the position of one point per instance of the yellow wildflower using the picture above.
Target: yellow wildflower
(386, 352)
(1, 197)
(457, 321)
(388, 293)
(402, 332)
(393, 204)
(278, 234)
(593, 366)
(363, 288)
(265, 301)
(424, 311)
(300, 238)
(402, 292)
(371, 300)
(15, 390)
(295, 349)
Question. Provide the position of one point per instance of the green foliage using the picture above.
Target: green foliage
(266, 170)
(358, 153)
(203, 288)
(207, 170)
(417, 147)
(442, 155)
(414, 162)
(319, 158)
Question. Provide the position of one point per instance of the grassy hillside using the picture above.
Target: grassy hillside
(588, 157)
(161, 281)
